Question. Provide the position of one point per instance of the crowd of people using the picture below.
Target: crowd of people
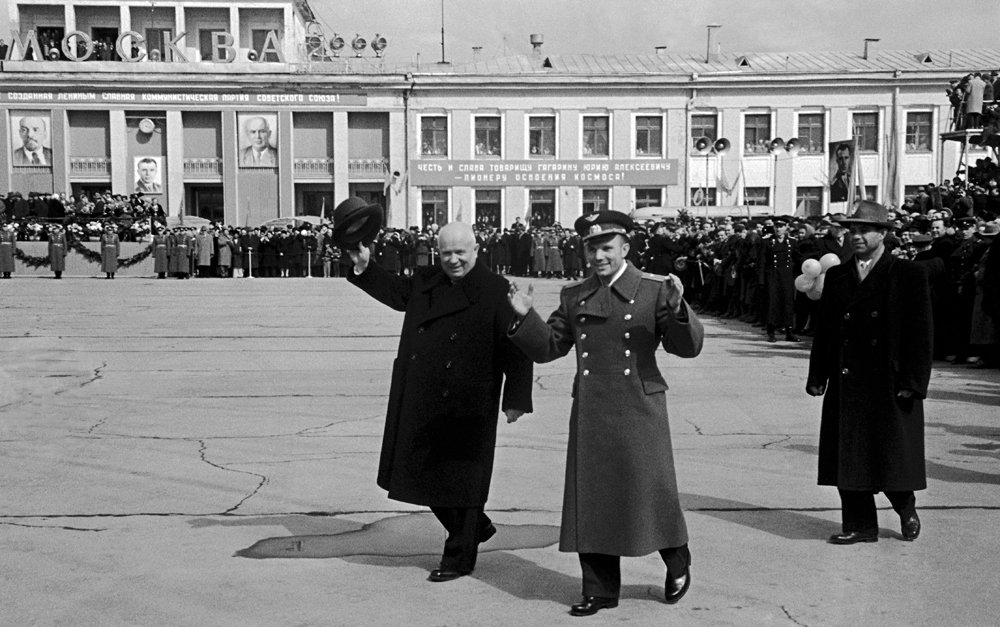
(974, 100)
(85, 217)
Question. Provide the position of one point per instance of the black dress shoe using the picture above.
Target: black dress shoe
(853, 537)
(771, 338)
(673, 592)
(439, 574)
(591, 605)
(488, 532)
(790, 337)
(911, 527)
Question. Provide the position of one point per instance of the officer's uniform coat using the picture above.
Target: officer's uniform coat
(873, 339)
(110, 249)
(57, 251)
(179, 253)
(620, 494)
(780, 259)
(8, 242)
(161, 253)
(445, 398)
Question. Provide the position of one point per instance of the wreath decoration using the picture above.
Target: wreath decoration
(90, 255)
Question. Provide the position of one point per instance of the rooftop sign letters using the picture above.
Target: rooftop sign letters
(79, 46)
(544, 172)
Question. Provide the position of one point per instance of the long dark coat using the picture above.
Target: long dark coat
(57, 251)
(161, 253)
(620, 496)
(441, 424)
(110, 249)
(873, 339)
(180, 251)
(780, 259)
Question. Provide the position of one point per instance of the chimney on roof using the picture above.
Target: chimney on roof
(475, 53)
(710, 56)
(661, 50)
(870, 52)
(536, 44)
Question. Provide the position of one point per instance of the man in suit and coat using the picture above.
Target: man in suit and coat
(110, 249)
(453, 361)
(620, 496)
(871, 360)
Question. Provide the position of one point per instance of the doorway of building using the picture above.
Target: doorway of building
(206, 201)
(371, 193)
(313, 199)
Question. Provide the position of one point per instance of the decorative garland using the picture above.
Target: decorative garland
(86, 253)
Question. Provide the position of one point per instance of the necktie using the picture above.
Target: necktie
(34, 159)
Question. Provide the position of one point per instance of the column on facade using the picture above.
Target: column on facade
(784, 177)
(69, 16)
(175, 162)
(341, 158)
(234, 26)
(677, 146)
(119, 152)
(399, 204)
(463, 198)
(622, 148)
(569, 146)
(230, 166)
(60, 151)
(286, 165)
(515, 136)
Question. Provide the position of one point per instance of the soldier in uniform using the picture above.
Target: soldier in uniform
(161, 252)
(618, 434)
(110, 249)
(179, 253)
(8, 244)
(960, 268)
(779, 251)
(57, 250)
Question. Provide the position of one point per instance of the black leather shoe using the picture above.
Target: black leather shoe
(488, 532)
(439, 574)
(673, 592)
(771, 338)
(911, 528)
(853, 537)
(790, 337)
(591, 605)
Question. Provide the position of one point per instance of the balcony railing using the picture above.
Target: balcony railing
(90, 167)
(314, 168)
(205, 167)
(367, 168)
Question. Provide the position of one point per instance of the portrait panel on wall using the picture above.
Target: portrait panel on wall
(258, 140)
(31, 141)
(149, 175)
(841, 169)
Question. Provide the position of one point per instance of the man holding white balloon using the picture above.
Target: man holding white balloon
(871, 358)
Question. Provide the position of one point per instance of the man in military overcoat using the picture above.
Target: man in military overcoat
(453, 359)
(8, 246)
(871, 358)
(110, 249)
(57, 250)
(620, 496)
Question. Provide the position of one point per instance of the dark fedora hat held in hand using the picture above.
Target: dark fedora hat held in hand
(354, 220)
(867, 212)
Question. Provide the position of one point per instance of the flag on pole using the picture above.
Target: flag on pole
(322, 211)
(800, 209)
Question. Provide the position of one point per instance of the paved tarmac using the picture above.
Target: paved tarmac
(204, 452)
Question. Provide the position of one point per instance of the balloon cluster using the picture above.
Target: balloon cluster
(813, 276)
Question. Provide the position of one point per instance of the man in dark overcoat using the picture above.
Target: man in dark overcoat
(871, 358)
(110, 249)
(620, 496)
(161, 252)
(454, 354)
(780, 262)
(57, 250)
(8, 246)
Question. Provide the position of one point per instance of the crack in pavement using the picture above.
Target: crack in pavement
(99, 424)
(785, 610)
(263, 479)
(50, 527)
(697, 429)
(97, 376)
(784, 439)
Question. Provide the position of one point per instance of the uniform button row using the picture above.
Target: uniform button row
(627, 336)
(628, 316)
(583, 336)
(628, 353)
(586, 372)
(845, 371)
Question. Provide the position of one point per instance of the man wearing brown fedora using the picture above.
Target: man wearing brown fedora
(871, 358)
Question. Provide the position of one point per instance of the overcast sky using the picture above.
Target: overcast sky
(637, 26)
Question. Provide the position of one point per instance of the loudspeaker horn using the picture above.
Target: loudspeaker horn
(703, 145)
(722, 146)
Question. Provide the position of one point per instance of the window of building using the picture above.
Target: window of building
(434, 136)
(434, 207)
(811, 134)
(259, 36)
(757, 196)
(704, 125)
(809, 200)
(756, 133)
(542, 136)
(871, 192)
(918, 131)
(488, 136)
(595, 200)
(866, 131)
(596, 136)
(649, 136)
(703, 197)
(156, 39)
(488, 208)
(648, 197)
(542, 204)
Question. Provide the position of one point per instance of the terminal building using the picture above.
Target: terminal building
(244, 113)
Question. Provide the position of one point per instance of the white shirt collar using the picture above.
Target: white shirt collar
(618, 274)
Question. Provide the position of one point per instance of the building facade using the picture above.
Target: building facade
(251, 112)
